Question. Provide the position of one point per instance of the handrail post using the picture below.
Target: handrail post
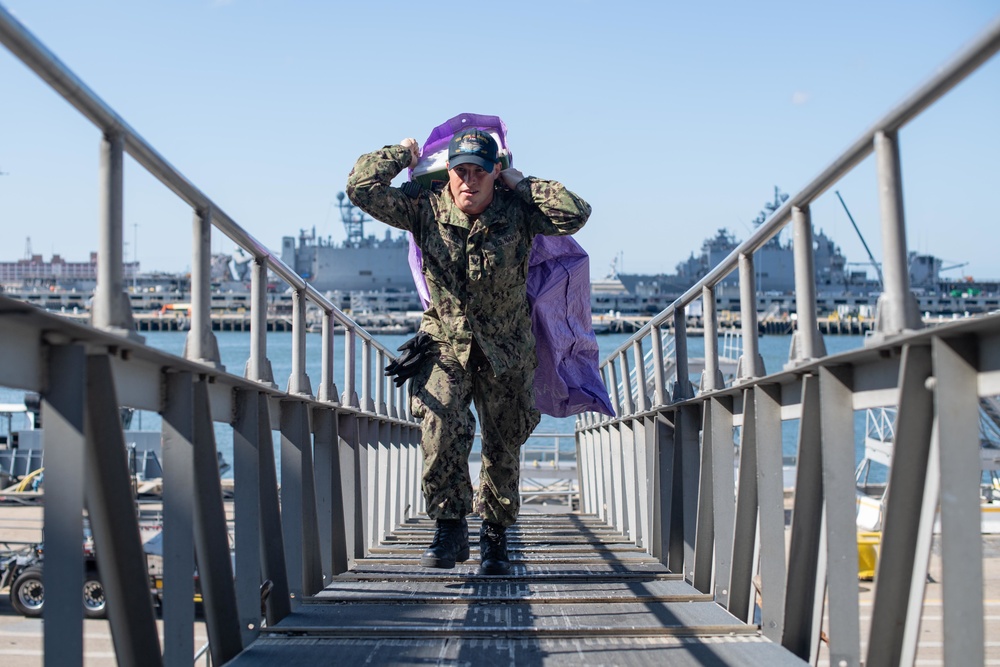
(298, 382)
(897, 307)
(641, 394)
(682, 387)
(327, 384)
(111, 310)
(711, 376)
(350, 396)
(390, 392)
(807, 344)
(403, 411)
(659, 382)
(380, 381)
(258, 366)
(367, 403)
(626, 394)
(200, 344)
(751, 365)
(611, 381)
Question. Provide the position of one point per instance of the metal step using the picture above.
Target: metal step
(474, 592)
(535, 571)
(737, 651)
(405, 549)
(518, 619)
(578, 593)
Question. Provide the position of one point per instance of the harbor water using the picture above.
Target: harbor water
(233, 347)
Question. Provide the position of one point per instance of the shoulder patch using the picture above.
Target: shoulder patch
(411, 189)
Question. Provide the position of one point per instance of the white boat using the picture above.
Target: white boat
(871, 475)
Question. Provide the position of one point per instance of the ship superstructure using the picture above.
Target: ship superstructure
(360, 264)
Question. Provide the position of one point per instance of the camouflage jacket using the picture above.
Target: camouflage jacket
(475, 267)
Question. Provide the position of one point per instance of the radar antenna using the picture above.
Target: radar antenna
(770, 207)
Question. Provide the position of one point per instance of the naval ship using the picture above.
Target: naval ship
(360, 264)
(842, 287)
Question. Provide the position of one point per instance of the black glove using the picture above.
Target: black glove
(414, 351)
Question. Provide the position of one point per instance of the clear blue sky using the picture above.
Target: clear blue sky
(672, 119)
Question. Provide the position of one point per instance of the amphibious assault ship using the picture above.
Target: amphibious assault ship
(360, 264)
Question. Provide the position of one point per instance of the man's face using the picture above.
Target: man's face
(472, 187)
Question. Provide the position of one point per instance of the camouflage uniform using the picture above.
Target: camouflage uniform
(479, 317)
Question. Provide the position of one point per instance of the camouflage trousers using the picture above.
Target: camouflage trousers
(441, 395)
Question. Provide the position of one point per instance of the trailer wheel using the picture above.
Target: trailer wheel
(27, 595)
(94, 603)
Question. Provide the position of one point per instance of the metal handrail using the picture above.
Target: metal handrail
(956, 70)
(664, 474)
(51, 69)
(296, 530)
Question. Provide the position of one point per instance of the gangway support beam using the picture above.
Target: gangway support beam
(704, 542)
(351, 484)
(837, 441)
(740, 583)
(211, 536)
(719, 436)
(329, 494)
(115, 525)
(687, 471)
(298, 503)
(246, 505)
(178, 517)
(62, 405)
(272, 555)
(803, 597)
(902, 518)
(770, 496)
(662, 475)
(955, 372)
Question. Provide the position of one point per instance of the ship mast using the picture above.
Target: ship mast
(354, 221)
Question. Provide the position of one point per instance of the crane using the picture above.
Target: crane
(878, 269)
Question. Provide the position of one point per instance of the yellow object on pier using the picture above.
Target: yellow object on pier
(868, 548)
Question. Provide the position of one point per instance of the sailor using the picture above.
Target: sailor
(475, 343)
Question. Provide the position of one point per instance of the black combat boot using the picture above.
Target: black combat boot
(493, 557)
(451, 543)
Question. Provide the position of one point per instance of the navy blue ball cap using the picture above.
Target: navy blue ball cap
(473, 146)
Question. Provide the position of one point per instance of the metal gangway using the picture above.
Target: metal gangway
(658, 566)
(665, 471)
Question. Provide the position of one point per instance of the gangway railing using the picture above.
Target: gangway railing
(645, 372)
(662, 470)
(349, 466)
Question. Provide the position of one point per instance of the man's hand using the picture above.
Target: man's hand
(414, 352)
(414, 147)
(511, 177)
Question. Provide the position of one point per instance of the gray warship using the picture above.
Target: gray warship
(360, 263)
(842, 287)
(376, 268)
